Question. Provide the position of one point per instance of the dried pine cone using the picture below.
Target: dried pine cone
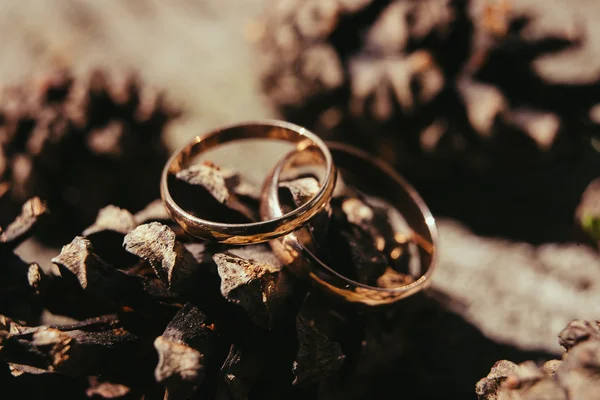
(573, 377)
(472, 101)
(80, 143)
(136, 309)
(441, 79)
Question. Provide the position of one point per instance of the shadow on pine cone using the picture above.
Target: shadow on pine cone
(476, 102)
(80, 143)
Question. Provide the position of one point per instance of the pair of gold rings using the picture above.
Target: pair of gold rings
(293, 234)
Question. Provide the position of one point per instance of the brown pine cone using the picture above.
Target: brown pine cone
(573, 377)
(472, 101)
(442, 79)
(81, 142)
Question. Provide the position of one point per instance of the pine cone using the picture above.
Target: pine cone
(80, 143)
(473, 102)
(135, 309)
(573, 377)
(479, 84)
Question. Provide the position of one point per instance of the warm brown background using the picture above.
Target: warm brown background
(199, 50)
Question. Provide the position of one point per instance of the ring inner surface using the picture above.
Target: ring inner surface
(377, 212)
(232, 134)
(199, 179)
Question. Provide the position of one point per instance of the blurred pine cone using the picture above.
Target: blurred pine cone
(575, 376)
(80, 143)
(444, 77)
(465, 98)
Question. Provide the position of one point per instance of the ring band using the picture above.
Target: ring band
(290, 249)
(254, 232)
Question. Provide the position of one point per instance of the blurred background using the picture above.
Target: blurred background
(491, 108)
(196, 54)
(197, 51)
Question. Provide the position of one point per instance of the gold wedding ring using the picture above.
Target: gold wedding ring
(254, 232)
(295, 235)
(382, 181)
